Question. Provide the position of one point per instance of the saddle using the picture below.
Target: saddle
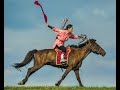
(58, 55)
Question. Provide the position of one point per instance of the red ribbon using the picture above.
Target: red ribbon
(45, 17)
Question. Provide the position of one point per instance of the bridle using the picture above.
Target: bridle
(99, 50)
(89, 45)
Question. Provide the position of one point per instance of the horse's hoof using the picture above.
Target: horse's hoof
(81, 86)
(56, 84)
(21, 83)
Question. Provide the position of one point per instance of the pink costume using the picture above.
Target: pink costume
(62, 36)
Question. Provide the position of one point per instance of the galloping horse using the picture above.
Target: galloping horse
(48, 57)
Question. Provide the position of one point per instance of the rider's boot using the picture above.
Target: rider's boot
(63, 61)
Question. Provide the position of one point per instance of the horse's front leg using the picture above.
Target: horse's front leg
(78, 77)
(64, 75)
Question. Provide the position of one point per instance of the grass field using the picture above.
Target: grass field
(58, 88)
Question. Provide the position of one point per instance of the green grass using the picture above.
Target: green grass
(57, 88)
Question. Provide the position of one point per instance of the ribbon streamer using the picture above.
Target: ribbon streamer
(45, 16)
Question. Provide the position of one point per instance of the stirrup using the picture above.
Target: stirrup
(63, 62)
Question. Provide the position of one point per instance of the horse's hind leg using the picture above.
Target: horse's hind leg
(30, 71)
(78, 76)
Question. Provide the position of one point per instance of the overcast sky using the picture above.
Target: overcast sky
(24, 30)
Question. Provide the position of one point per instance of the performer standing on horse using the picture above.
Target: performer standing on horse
(62, 36)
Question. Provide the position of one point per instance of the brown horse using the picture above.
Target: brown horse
(47, 57)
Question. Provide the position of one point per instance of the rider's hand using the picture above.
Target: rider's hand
(79, 37)
(82, 36)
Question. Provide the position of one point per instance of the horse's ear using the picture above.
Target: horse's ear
(93, 39)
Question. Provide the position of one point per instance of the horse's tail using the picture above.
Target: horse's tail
(27, 59)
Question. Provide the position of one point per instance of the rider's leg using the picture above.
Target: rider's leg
(63, 53)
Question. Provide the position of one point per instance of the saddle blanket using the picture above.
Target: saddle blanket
(58, 55)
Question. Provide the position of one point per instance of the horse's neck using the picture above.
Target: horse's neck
(85, 51)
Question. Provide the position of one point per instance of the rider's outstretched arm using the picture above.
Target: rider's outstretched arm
(56, 30)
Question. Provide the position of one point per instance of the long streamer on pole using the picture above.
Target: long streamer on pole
(45, 16)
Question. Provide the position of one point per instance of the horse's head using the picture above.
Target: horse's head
(95, 48)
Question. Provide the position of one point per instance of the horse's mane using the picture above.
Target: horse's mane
(81, 45)
(78, 46)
